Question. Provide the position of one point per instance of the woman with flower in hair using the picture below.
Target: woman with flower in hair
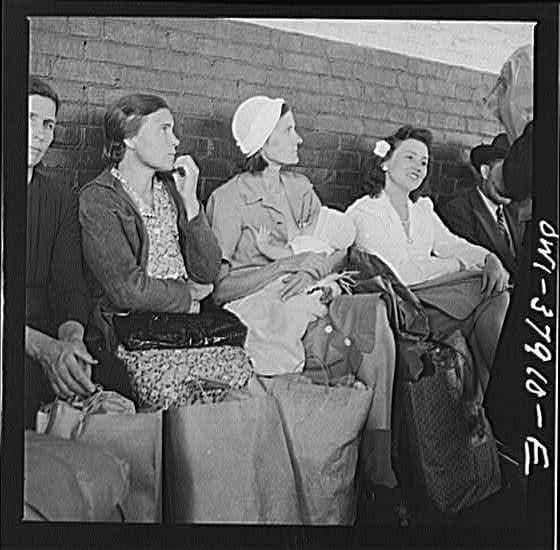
(461, 285)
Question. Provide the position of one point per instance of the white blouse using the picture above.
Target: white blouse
(432, 249)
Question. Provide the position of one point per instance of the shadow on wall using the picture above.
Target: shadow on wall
(331, 162)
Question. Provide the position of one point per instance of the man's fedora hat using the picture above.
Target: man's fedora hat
(486, 154)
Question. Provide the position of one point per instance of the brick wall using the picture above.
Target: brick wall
(344, 97)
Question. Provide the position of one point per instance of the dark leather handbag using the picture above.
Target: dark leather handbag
(148, 330)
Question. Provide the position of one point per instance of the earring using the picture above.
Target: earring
(384, 168)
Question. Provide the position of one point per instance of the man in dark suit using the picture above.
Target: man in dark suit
(483, 215)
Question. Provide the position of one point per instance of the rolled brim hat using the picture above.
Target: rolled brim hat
(253, 122)
(485, 154)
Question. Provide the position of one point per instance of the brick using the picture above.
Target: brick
(294, 80)
(117, 53)
(361, 143)
(152, 80)
(319, 140)
(224, 109)
(244, 90)
(341, 67)
(68, 137)
(347, 179)
(214, 168)
(245, 32)
(318, 157)
(462, 108)
(375, 110)
(465, 77)
(462, 139)
(464, 92)
(406, 81)
(350, 125)
(282, 40)
(41, 65)
(303, 102)
(379, 128)
(95, 95)
(114, 93)
(93, 138)
(55, 44)
(336, 196)
(71, 91)
(233, 70)
(252, 54)
(436, 86)
(483, 127)
(446, 121)
(378, 75)
(134, 33)
(397, 114)
(345, 51)
(340, 86)
(183, 42)
(347, 161)
(306, 63)
(447, 151)
(56, 24)
(187, 24)
(80, 113)
(417, 118)
(391, 60)
(385, 94)
(180, 63)
(223, 149)
(432, 103)
(91, 71)
(428, 68)
(85, 26)
(194, 105)
(204, 127)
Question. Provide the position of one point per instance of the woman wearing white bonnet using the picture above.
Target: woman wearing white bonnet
(282, 203)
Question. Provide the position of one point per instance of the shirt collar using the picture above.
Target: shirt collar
(490, 204)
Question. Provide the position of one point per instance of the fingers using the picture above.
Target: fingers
(84, 355)
(72, 374)
(60, 388)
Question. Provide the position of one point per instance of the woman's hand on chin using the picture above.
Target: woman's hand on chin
(315, 265)
(186, 185)
(495, 278)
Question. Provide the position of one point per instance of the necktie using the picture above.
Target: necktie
(502, 226)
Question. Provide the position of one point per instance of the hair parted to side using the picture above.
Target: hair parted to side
(256, 163)
(37, 86)
(373, 176)
(123, 119)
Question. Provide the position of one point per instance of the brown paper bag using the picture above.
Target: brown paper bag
(137, 439)
(323, 425)
(228, 462)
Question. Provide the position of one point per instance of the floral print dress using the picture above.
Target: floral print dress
(168, 378)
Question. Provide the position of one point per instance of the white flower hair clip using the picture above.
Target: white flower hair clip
(381, 148)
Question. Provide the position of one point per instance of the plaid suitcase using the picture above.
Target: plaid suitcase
(436, 454)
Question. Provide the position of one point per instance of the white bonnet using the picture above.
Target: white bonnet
(253, 122)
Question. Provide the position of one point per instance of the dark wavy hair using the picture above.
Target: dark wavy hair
(37, 86)
(256, 163)
(373, 176)
(123, 119)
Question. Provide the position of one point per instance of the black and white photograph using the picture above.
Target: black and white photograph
(290, 276)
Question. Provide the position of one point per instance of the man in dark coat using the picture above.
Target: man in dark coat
(483, 215)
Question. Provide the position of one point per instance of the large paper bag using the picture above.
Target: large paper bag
(323, 425)
(228, 462)
(137, 439)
